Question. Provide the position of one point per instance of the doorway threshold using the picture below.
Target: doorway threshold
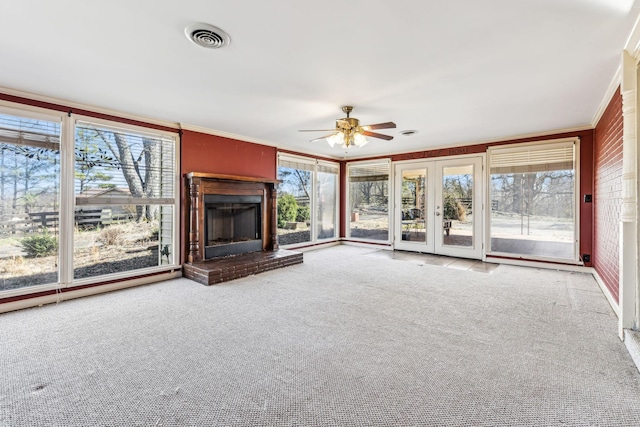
(439, 260)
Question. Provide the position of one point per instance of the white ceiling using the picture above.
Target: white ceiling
(456, 71)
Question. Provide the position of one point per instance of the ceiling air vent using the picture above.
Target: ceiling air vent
(206, 35)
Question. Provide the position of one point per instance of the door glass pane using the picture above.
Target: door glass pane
(29, 201)
(457, 205)
(413, 205)
(327, 197)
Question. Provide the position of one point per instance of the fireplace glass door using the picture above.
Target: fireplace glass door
(232, 225)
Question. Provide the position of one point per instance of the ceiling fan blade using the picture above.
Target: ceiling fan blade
(377, 135)
(386, 125)
(323, 137)
(316, 130)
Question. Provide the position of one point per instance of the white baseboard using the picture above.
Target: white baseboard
(83, 292)
(612, 302)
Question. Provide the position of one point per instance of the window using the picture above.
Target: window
(29, 200)
(80, 200)
(369, 201)
(327, 217)
(533, 200)
(307, 200)
(124, 197)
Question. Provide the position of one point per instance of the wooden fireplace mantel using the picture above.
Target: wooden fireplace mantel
(200, 184)
(223, 177)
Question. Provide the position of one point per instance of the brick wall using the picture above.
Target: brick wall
(608, 194)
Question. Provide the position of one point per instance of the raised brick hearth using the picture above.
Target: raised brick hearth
(210, 272)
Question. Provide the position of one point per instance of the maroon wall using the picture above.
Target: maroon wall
(215, 154)
(200, 152)
(608, 194)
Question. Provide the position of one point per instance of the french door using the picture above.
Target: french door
(438, 207)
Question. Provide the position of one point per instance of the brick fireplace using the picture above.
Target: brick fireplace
(231, 224)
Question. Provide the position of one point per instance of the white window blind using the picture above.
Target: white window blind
(296, 163)
(369, 172)
(328, 168)
(22, 131)
(119, 166)
(532, 158)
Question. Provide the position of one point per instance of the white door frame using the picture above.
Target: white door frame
(476, 250)
(434, 237)
(398, 243)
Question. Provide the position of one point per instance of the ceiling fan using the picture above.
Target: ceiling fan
(348, 131)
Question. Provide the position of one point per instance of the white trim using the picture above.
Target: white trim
(537, 264)
(628, 249)
(485, 208)
(608, 95)
(577, 214)
(14, 108)
(533, 258)
(123, 275)
(8, 293)
(628, 275)
(632, 342)
(59, 297)
(67, 203)
(336, 213)
(364, 244)
(632, 45)
(313, 204)
(614, 305)
(319, 245)
(71, 105)
(177, 206)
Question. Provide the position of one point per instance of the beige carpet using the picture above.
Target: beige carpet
(350, 337)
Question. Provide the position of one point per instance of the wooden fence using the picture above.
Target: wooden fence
(39, 221)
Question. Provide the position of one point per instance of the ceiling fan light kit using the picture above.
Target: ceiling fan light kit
(349, 133)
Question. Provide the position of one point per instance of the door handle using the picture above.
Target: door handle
(437, 213)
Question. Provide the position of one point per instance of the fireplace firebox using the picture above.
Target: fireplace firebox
(232, 224)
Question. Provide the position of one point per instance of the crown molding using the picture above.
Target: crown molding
(98, 110)
(608, 94)
(214, 132)
(633, 41)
